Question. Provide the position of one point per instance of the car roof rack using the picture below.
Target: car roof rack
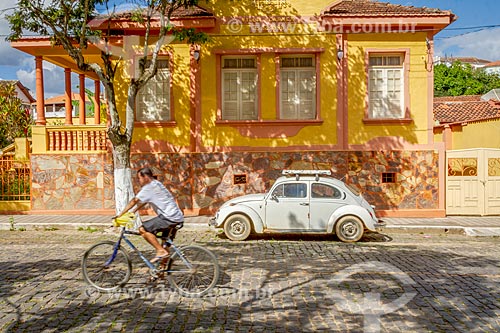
(297, 173)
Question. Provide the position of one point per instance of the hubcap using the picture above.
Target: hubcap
(237, 228)
(349, 229)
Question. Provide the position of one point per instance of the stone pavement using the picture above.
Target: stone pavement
(279, 283)
(469, 225)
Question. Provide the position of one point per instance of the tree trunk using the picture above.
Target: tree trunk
(124, 190)
(121, 140)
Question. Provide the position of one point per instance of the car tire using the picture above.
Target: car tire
(237, 227)
(349, 229)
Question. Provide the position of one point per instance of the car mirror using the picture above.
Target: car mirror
(274, 198)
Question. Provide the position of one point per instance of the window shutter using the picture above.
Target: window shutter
(385, 87)
(153, 99)
(239, 81)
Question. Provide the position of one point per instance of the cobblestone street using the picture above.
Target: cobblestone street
(286, 283)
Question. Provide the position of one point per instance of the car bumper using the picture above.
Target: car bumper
(380, 224)
(212, 222)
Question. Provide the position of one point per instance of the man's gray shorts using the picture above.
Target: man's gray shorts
(158, 223)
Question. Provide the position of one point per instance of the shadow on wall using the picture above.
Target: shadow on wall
(203, 182)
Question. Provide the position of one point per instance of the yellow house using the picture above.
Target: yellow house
(345, 86)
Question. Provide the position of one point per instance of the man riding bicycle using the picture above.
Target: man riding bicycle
(162, 202)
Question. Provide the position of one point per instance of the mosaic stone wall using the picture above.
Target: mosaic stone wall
(72, 182)
(202, 182)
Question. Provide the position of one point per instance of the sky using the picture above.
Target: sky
(475, 33)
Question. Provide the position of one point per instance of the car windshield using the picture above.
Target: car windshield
(353, 189)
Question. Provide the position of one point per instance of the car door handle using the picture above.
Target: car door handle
(304, 204)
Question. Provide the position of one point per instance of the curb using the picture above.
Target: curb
(451, 230)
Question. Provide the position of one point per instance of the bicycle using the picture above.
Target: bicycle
(191, 269)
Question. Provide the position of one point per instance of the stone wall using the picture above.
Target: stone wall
(72, 182)
(203, 181)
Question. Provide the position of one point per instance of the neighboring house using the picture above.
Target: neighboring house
(467, 122)
(492, 94)
(492, 67)
(469, 126)
(345, 86)
(474, 62)
(23, 94)
(55, 107)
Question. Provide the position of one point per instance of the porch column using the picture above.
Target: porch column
(82, 99)
(40, 99)
(97, 98)
(67, 97)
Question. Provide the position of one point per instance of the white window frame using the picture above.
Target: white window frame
(391, 79)
(242, 102)
(153, 99)
(300, 101)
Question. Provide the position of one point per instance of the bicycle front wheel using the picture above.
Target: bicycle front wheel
(104, 269)
(196, 273)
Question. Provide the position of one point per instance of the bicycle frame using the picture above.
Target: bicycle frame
(148, 263)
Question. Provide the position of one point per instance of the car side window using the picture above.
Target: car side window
(278, 192)
(293, 190)
(325, 191)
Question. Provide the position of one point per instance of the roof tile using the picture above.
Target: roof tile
(375, 8)
(464, 109)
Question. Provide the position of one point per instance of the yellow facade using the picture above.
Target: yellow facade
(267, 46)
(418, 85)
(474, 135)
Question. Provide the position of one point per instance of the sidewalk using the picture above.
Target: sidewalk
(469, 225)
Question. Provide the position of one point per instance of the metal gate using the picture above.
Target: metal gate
(473, 182)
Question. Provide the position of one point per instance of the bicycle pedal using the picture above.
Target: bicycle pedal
(152, 279)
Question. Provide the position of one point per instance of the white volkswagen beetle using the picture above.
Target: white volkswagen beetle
(302, 201)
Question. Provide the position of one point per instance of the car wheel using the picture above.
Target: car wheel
(349, 229)
(237, 227)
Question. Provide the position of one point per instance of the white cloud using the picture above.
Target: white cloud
(483, 44)
(8, 55)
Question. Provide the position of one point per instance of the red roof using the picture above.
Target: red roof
(193, 11)
(464, 109)
(465, 98)
(466, 60)
(375, 8)
(493, 64)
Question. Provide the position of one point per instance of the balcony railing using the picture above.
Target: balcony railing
(69, 139)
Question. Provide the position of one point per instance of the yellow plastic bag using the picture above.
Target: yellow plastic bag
(126, 220)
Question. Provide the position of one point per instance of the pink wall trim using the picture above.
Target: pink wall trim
(258, 50)
(157, 146)
(429, 213)
(442, 170)
(390, 143)
(430, 89)
(345, 93)
(269, 128)
(277, 89)
(194, 100)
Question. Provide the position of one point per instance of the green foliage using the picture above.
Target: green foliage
(461, 79)
(15, 118)
(88, 229)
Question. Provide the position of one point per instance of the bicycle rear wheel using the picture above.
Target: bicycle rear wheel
(200, 278)
(103, 272)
